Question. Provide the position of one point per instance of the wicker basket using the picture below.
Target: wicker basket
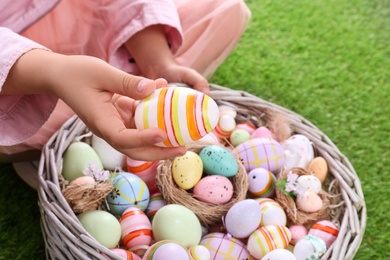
(65, 238)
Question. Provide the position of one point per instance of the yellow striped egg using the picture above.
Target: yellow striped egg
(186, 115)
(268, 238)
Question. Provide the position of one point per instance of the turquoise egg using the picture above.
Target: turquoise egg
(77, 158)
(218, 161)
(129, 190)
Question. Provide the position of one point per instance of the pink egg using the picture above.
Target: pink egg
(325, 230)
(156, 202)
(261, 182)
(184, 114)
(214, 189)
(246, 126)
(225, 126)
(145, 170)
(264, 153)
(167, 249)
(223, 246)
(210, 138)
(262, 132)
(136, 228)
(297, 232)
(124, 254)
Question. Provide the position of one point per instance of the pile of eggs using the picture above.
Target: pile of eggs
(136, 222)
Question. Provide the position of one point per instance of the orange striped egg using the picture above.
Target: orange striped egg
(267, 238)
(325, 230)
(145, 170)
(186, 115)
(156, 202)
(261, 183)
(124, 254)
(136, 228)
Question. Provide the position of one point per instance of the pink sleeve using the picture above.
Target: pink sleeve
(133, 16)
(20, 116)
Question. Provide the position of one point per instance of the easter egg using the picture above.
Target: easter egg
(261, 153)
(110, 157)
(217, 160)
(268, 238)
(166, 249)
(261, 182)
(227, 110)
(155, 203)
(325, 230)
(271, 212)
(178, 223)
(77, 158)
(262, 132)
(309, 247)
(83, 181)
(299, 151)
(136, 228)
(223, 246)
(309, 183)
(124, 254)
(297, 232)
(239, 136)
(214, 189)
(210, 138)
(309, 202)
(145, 170)
(187, 170)
(243, 218)
(279, 254)
(226, 125)
(319, 167)
(102, 226)
(129, 190)
(248, 126)
(186, 115)
(199, 252)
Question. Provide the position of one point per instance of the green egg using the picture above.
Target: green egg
(77, 159)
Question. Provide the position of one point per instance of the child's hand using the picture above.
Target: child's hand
(101, 95)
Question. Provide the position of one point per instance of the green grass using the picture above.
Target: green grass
(326, 60)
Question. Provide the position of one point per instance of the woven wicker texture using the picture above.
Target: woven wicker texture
(65, 238)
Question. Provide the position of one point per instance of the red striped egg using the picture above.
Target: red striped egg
(145, 170)
(136, 228)
(186, 115)
(268, 238)
(325, 230)
(264, 153)
(156, 202)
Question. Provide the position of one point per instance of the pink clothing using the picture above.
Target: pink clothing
(201, 34)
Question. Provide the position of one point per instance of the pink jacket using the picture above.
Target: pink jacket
(22, 116)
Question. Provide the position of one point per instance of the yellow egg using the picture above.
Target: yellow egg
(319, 168)
(187, 170)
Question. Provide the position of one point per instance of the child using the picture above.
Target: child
(52, 64)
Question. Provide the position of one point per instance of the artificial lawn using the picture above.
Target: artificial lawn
(326, 60)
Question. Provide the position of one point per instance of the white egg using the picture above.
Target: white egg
(110, 157)
(309, 183)
(279, 254)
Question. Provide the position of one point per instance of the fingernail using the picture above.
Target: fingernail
(142, 84)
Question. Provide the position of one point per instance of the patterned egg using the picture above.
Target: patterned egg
(309, 183)
(271, 212)
(309, 247)
(248, 126)
(166, 249)
(110, 157)
(218, 160)
(145, 170)
(136, 228)
(187, 170)
(239, 136)
(210, 138)
(156, 202)
(297, 232)
(186, 115)
(325, 230)
(299, 151)
(267, 238)
(124, 254)
(261, 153)
(214, 189)
(129, 190)
(226, 125)
(262, 132)
(309, 202)
(199, 252)
(279, 254)
(261, 183)
(223, 246)
(243, 218)
(77, 157)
